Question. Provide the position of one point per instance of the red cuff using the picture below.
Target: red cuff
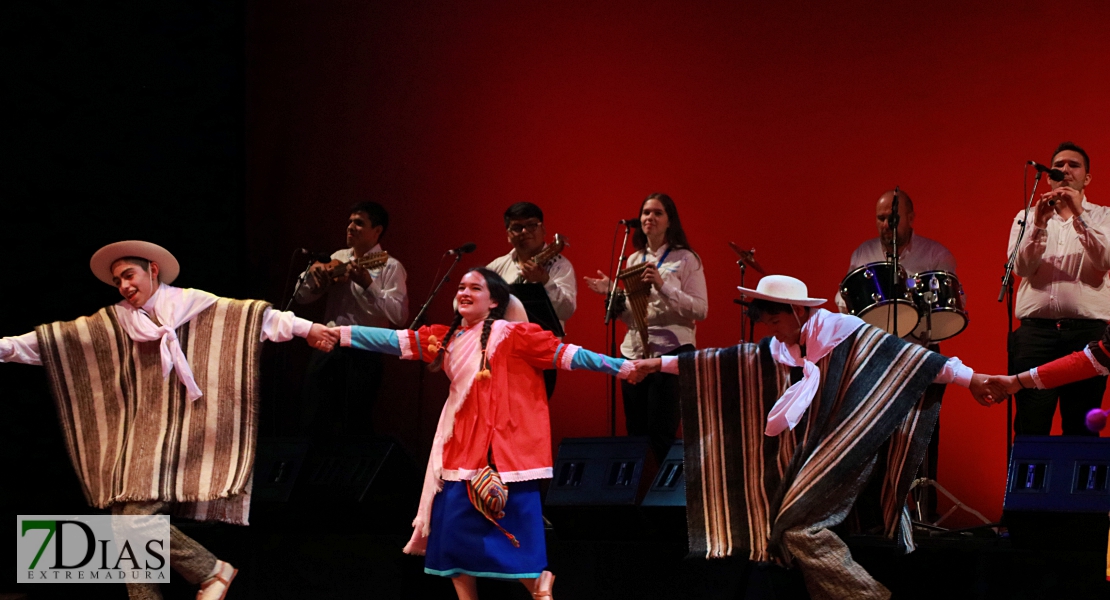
(1062, 371)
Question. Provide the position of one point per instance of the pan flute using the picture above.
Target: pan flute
(637, 293)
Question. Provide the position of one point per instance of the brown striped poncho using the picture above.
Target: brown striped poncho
(745, 489)
(133, 436)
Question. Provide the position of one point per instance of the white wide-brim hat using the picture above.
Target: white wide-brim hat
(102, 260)
(784, 290)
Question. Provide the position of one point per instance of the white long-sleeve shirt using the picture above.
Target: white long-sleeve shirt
(954, 371)
(673, 309)
(385, 303)
(1063, 267)
(277, 326)
(561, 286)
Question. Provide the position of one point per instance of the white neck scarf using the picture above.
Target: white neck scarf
(173, 307)
(820, 334)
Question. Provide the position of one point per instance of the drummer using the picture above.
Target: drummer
(915, 253)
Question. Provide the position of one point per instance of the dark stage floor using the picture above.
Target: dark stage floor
(332, 555)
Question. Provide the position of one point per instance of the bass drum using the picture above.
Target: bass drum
(948, 309)
(869, 295)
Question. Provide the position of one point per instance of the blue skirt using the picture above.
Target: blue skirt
(462, 540)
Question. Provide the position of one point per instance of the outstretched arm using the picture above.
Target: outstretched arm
(21, 349)
(282, 326)
(572, 358)
(372, 339)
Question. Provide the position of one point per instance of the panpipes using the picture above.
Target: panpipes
(637, 293)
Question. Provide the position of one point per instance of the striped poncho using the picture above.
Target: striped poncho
(745, 489)
(132, 435)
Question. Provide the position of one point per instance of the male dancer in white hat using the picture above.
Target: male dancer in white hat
(781, 437)
(158, 399)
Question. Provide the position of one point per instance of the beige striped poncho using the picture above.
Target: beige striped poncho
(132, 435)
(745, 489)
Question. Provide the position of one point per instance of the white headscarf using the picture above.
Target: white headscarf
(172, 307)
(822, 332)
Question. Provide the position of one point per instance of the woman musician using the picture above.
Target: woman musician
(676, 300)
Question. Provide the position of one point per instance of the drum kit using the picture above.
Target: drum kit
(930, 304)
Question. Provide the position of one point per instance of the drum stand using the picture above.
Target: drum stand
(919, 486)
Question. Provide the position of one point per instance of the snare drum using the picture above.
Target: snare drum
(868, 294)
(948, 308)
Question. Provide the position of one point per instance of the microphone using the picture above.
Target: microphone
(1053, 174)
(629, 222)
(315, 256)
(464, 249)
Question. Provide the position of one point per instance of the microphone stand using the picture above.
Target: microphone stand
(612, 326)
(419, 320)
(416, 323)
(893, 221)
(1007, 292)
(300, 283)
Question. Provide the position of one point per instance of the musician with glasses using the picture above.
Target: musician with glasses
(676, 302)
(526, 233)
(372, 297)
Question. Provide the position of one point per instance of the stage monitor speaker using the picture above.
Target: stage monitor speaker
(601, 471)
(277, 463)
(1057, 491)
(669, 486)
(597, 484)
(354, 469)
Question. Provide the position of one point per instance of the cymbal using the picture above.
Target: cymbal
(748, 258)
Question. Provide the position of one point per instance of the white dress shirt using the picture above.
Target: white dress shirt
(1063, 268)
(385, 303)
(172, 307)
(561, 287)
(673, 309)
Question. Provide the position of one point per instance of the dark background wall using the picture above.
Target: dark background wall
(772, 126)
(121, 122)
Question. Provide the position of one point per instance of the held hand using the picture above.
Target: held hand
(533, 273)
(986, 390)
(359, 274)
(599, 285)
(1009, 383)
(322, 338)
(644, 367)
(652, 276)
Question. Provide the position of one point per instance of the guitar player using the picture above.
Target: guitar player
(341, 386)
(526, 233)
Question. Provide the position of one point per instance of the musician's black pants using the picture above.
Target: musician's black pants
(651, 408)
(1033, 346)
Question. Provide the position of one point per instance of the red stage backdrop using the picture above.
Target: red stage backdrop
(776, 127)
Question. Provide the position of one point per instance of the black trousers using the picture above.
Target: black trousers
(1034, 345)
(340, 391)
(651, 408)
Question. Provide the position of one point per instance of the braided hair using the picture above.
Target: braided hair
(499, 293)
